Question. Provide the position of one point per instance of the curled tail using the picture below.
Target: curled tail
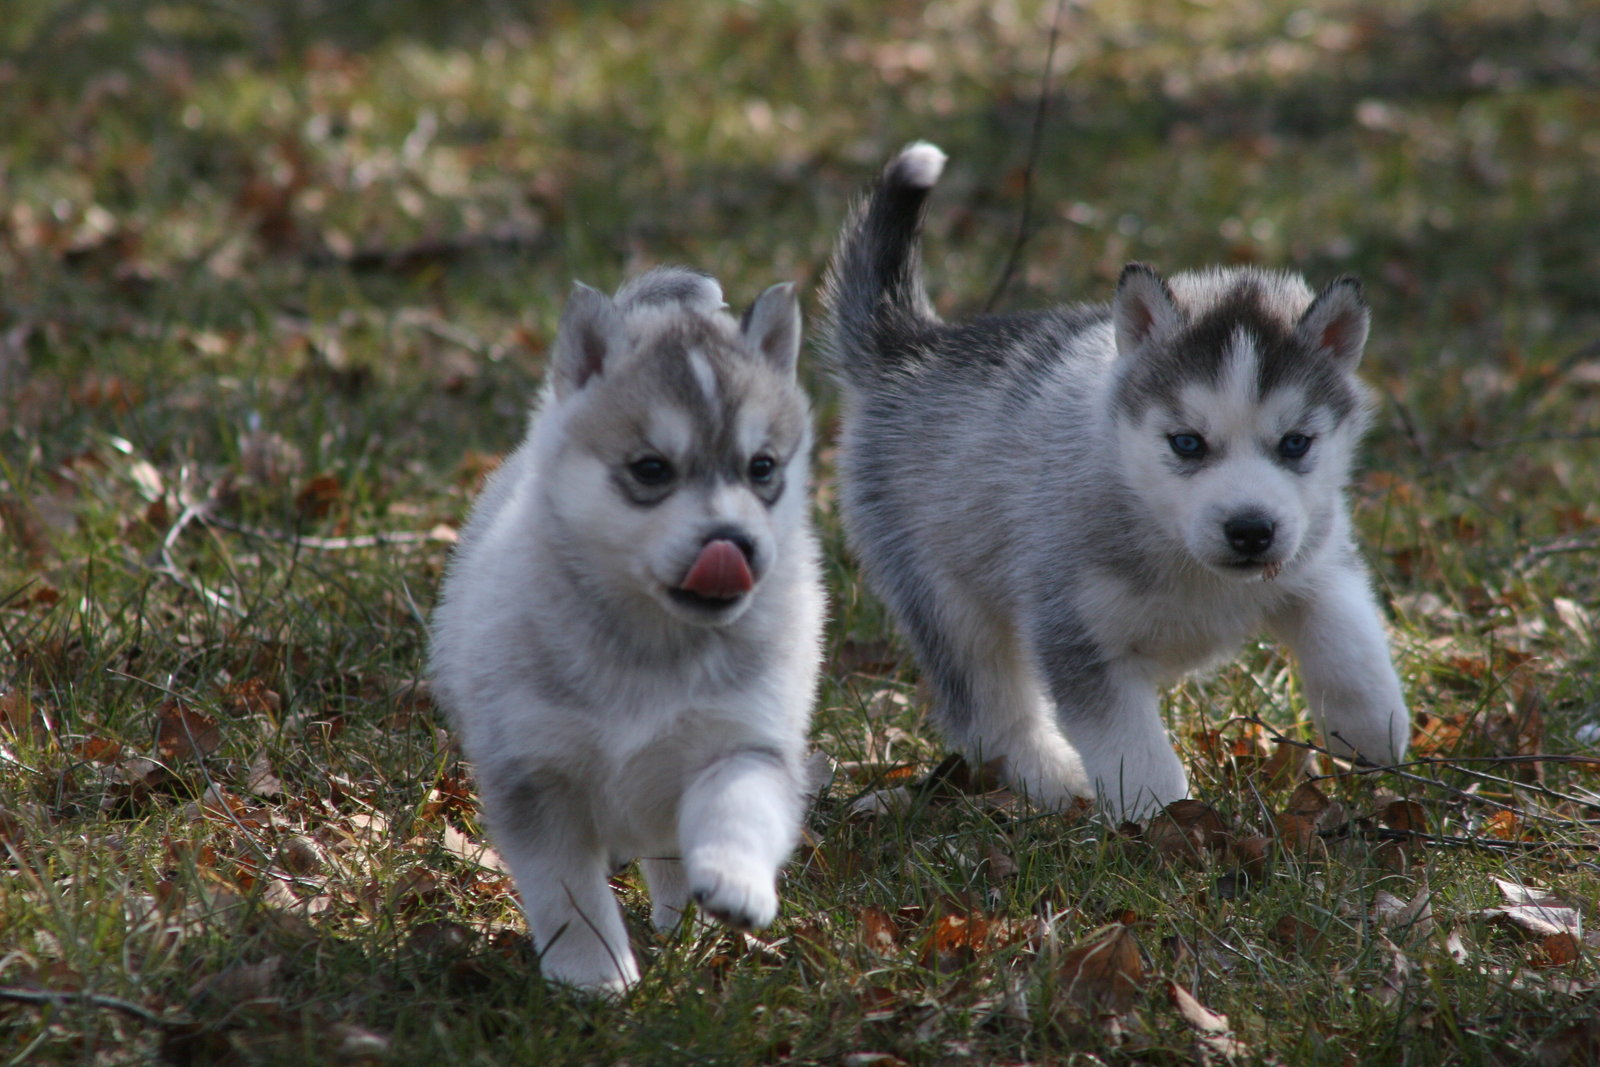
(874, 296)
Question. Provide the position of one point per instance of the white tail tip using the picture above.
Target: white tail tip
(919, 164)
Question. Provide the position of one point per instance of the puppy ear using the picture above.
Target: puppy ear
(1143, 308)
(772, 327)
(1336, 323)
(590, 334)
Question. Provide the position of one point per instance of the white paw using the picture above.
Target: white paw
(734, 891)
(596, 972)
(1049, 774)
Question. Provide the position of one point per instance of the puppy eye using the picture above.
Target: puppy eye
(762, 469)
(650, 470)
(1294, 445)
(1187, 445)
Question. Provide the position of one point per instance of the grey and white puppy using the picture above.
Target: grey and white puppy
(629, 633)
(1068, 509)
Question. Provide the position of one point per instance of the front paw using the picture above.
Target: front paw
(734, 892)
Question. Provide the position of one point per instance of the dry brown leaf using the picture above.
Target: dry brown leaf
(997, 862)
(1535, 910)
(1196, 1015)
(877, 932)
(1404, 815)
(1252, 854)
(1401, 968)
(1287, 763)
(241, 983)
(300, 855)
(1413, 916)
(20, 718)
(1504, 825)
(183, 733)
(1308, 801)
(473, 851)
(250, 696)
(318, 497)
(1296, 935)
(98, 749)
(1215, 1036)
(11, 828)
(1297, 833)
(261, 780)
(1555, 950)
(1187, 831)
(1103, 972)
(893, 801)
(955, 940)
(1577, 1045)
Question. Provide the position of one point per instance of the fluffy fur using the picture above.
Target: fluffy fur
(628, 636)
(1068, 509)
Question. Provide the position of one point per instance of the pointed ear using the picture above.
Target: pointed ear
(772, 327)
(1335, 325)
(1143, 308)
(590, 334)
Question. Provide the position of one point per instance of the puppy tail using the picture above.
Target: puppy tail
(875, 302)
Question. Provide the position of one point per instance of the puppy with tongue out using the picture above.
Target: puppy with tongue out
(721, 573)
(628, 636)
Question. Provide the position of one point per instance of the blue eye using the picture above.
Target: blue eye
(1294, 445)
(762, 468)
(650, 470)
(1187, 445)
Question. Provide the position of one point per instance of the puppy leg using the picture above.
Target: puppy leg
(560, 869)
(669, 891)
(1111, 716)
(1346, 672)
(739, 820)
(990, 707)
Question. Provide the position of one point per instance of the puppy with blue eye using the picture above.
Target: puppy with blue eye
(628, 635)
(1067, 509)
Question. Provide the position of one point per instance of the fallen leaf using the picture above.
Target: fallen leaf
(1215, 1036)
(184, 734)
(997, 862)
(1104, 972)
(1535, 910)
(1404, 815)
(1197, 1015)
(1555, 950)
(1398, 977)
(1309, 801)
(1187, 830)
(871, 1059)
(877, 932)
(356, 1044)
(241, 983)
(1413, 916)
(1297, 935)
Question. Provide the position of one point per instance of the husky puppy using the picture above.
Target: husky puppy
(629, 633)
(1067, 509)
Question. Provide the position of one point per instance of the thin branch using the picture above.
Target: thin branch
(327, 544)
(1035, 135)
(1492, 844)
(167, 565)
(1398, 770)
(93, 1000)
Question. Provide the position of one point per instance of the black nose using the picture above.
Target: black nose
(739, 537)
(1250, 535)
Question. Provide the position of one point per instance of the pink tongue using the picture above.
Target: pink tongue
(720, 572)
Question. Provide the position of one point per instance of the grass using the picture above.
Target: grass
(278, 278)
